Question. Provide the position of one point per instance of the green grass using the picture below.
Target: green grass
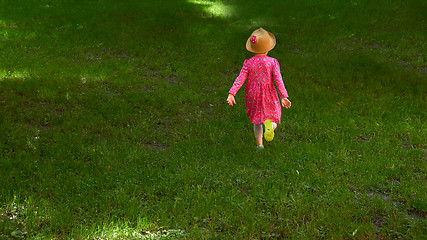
(114, 122)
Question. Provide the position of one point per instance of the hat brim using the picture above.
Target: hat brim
(264, 50)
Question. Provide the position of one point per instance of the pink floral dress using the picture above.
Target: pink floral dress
(261, 100)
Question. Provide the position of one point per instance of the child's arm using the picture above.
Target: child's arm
(279, 81)
(281, 86)
(238, 83)
(286, 103)
(231, 99)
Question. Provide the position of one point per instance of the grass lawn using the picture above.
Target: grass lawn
(114, 122)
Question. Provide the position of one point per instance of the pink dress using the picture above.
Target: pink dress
(261, 100)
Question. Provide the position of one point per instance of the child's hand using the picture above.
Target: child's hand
(286, 103)
(231, 100)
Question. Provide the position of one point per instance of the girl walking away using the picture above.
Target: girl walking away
(261, 101)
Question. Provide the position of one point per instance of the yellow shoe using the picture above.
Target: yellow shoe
(269, 132)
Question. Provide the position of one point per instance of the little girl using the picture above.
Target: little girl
(261, 101)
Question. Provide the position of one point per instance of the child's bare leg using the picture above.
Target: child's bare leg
(274, 126)
(258, 134)
(259, 141)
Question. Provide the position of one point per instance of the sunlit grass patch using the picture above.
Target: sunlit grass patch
(8, 34)
(214, 8)
(12, 221)
(10, 30)
(17, 218)
(13, 75)
(127, 230)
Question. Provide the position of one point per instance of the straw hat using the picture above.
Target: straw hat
(261, 41)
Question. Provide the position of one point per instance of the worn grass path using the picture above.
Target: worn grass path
(114, 122)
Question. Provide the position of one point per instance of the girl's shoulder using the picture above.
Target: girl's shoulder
(261, 59)
(271, 59)
(254, 58)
